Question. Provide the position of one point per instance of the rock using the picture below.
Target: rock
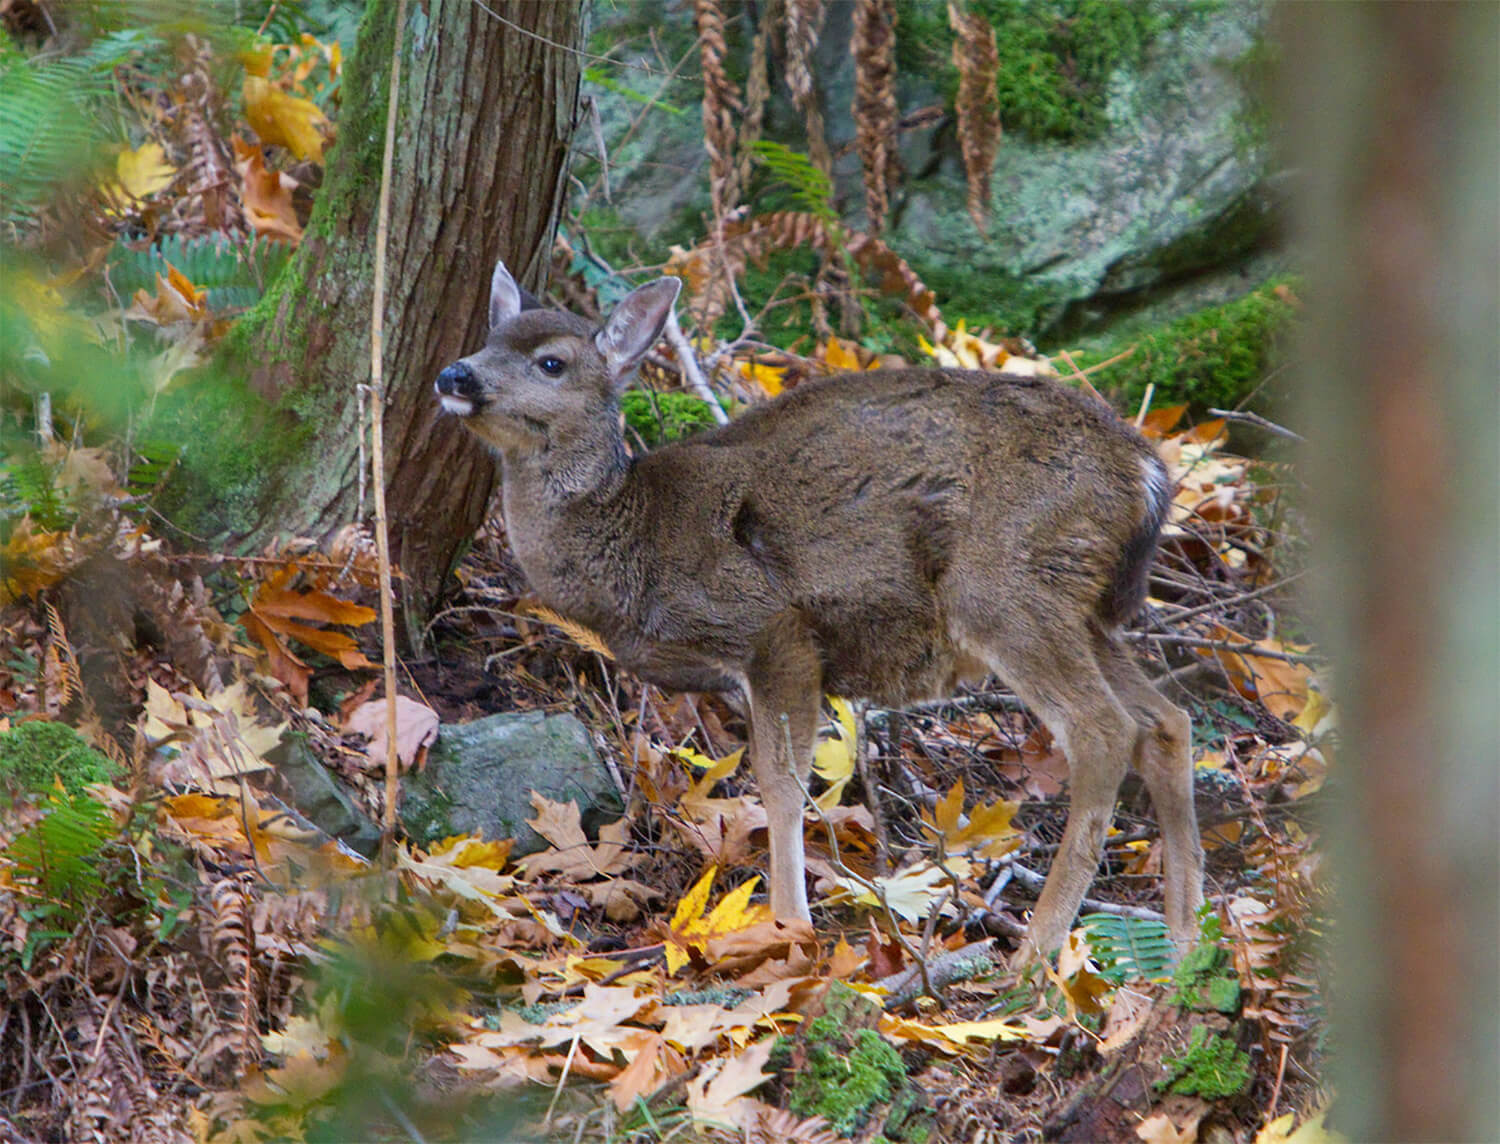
(1177, 187)
(480, 777)
(321, 797)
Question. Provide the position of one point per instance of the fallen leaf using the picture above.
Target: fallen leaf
(714, 1098)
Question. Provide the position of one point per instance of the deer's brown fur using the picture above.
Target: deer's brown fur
(882, 535)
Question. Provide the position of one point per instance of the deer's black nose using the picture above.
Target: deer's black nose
(458, 380)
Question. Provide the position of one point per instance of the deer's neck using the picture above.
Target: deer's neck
(570, 514)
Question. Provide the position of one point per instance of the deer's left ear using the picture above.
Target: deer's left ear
(505, 297)
(634, 327)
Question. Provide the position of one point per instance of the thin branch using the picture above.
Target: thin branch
(1225, 645)
(1247, 418)
(377, 444)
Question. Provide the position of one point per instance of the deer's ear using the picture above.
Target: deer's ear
(634, 326)
(505, 297)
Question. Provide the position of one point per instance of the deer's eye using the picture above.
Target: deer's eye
(551, 365)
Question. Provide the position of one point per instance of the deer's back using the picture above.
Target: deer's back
(879, 506)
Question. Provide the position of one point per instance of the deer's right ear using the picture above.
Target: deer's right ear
(635, 325)
(505, 297)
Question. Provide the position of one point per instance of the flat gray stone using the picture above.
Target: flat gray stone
(480, 777)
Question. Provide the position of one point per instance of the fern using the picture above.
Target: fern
(234, 275)
(28, 488)
(60, 852)
(810, 188)
(1129, 949)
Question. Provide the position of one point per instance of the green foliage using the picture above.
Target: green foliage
(1011, 305)
(50, 130)
(234, 275)
(1129, 949)
(1057, 57)
(1212, 1067)
(59, 860)
(1211, 359)
(1207, 981)
(792, 177)
(37, 754)
(28, 488)
(661, 417)
(844, 1079)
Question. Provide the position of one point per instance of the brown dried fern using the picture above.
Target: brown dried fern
(873, 46)
(757, 93)
(978, 62)
(234, 947)
(804, 20)
(755, 238)
(721, 104)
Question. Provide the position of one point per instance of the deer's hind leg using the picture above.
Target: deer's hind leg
(1052, 667)
(785, 685)
(1163, 753)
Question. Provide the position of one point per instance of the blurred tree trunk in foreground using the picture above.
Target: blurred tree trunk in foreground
(486, 115)
(1393, 112)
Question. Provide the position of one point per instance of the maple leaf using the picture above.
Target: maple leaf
(691, 929)
(267, 196)
(142, 172)
(217, 738)
(833, 761)
(716, 1096)
(987, 832)
(572, 855)
(910, 894)
(286, 120)
(954, 1038)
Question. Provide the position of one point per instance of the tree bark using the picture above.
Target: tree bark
(487, 109)
(1393, 117)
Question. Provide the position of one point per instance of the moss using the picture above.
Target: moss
(1212, 1067)
(845, 1084)
(36, 754)
(1211, 359)
(661, 417)
(1206, 980)
(1057, 57)
(1012, 305)
(231, 445)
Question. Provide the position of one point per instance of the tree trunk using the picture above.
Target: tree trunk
(486, 115)
(1394, 119)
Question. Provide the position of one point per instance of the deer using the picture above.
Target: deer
(886, 535)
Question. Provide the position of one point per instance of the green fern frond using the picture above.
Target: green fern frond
(235, 275)
(1129, 949)
(810, 188)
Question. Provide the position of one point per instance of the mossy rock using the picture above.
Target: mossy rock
(840, 1068)
(1212, 1067)
(37, 754)
(1212, 359)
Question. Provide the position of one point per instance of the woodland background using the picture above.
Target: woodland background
(1268, 237)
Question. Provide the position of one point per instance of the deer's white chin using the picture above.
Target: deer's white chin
(460, 406)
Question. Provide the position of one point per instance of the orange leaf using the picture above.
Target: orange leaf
(1160, 422)
(267, 197)
(271, 600)
(284, 665)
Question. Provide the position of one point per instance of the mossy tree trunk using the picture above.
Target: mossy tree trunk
(487, 111)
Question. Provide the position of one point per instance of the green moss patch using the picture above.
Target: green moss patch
(36, 754)
(1212, 1067)
(1214, 358)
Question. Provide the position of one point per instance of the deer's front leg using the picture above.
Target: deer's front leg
(785, 682)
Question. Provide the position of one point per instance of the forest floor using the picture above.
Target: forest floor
(185, 957)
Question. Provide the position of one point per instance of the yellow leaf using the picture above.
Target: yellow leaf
(286, 120)
(841, 355)
(767, 377)
(144, 171)
(692, 930)
(713, 769)
(833, 761)
(1311, 1131)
